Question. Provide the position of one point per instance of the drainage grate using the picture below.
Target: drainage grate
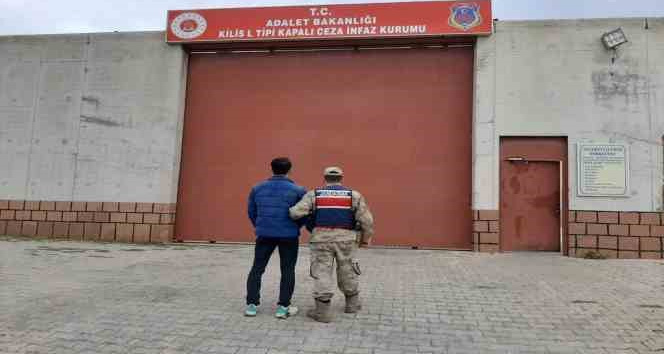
(584, 302)
(647, 306)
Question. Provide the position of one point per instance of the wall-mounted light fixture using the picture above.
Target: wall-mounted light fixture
(614, 39)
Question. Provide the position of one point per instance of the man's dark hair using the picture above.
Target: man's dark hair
(333, 179)
(281, 165)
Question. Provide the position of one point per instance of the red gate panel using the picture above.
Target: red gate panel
(397, 121)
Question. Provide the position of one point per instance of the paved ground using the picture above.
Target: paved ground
(62, 297)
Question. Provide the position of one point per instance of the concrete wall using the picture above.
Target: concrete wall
(554, 78)
(98, 117)
(90, 117)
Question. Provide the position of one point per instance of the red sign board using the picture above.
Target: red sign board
(409, 19)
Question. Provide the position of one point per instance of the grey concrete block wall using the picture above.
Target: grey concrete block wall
(555, 78)
(91, 117)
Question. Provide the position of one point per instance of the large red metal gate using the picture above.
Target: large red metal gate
(397, 120)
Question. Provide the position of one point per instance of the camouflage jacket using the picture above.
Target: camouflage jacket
(363, 217)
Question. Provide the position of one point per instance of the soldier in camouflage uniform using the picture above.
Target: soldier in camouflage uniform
(340, 221)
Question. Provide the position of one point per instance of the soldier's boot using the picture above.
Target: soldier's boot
(353, 304)
(322, 312)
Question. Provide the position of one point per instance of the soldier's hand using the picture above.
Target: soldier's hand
(364, 244)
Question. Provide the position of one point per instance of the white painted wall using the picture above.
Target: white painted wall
(91, 117)
(554, 78)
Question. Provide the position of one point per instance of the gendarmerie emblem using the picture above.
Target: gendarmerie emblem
(465, 16)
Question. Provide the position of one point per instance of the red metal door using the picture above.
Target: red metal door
(397, 121)
(530, 206)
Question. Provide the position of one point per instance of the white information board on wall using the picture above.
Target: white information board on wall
(603, 170)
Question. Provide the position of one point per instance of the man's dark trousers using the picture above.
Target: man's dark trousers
(288, 248)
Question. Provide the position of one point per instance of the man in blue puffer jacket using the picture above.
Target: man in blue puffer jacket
(268, 211)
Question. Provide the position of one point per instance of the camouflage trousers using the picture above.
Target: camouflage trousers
(324, 255)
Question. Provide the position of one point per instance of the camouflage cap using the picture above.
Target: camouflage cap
(333, 171)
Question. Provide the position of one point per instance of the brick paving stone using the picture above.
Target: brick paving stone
(72, 297)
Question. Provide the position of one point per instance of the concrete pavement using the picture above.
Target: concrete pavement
(66, 297)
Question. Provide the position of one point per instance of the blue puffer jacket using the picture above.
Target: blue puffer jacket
(268, 207)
